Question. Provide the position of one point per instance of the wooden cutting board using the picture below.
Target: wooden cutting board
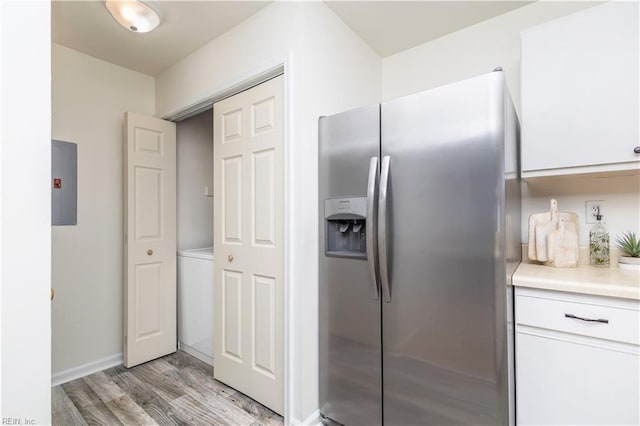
(542, 234)
(536, 220)
(562, 245)
(541, 225)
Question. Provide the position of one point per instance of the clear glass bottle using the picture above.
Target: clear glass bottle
(599, 244)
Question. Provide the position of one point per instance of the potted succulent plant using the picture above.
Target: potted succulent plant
(629, 244)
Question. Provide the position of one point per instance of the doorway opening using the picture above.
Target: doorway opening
(194, 213)
(248, 304)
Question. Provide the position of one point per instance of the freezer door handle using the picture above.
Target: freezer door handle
(382, 229)
(370, 228)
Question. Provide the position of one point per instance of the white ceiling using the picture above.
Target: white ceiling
(87, 26)
(387, 26)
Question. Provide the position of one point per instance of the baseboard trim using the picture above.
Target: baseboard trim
(86, 369)
(196, 353)
(312, 420)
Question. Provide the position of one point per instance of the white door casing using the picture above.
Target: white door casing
(150, 238)
(249, 242)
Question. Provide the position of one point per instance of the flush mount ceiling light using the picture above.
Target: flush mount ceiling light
(134, 15)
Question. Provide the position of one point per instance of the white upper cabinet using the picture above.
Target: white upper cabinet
(580, 93)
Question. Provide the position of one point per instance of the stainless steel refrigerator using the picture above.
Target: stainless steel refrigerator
(419, 203)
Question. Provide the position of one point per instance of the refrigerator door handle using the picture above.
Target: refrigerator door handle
(382, 229)
(370, 228)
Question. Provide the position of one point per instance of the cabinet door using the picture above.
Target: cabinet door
(574, 382)
(580, 92)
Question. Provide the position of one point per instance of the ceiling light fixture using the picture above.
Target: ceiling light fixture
(134, 15)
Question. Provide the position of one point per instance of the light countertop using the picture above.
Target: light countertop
(611, 282)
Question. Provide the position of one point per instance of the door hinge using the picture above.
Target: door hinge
(125, 340)
(125, 238)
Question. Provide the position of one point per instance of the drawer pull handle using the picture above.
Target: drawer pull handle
(604, 321)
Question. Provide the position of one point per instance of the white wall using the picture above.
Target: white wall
(195, 171)
(89, 97)
(25, 206)
(478, 49)
(261, 41)
(329, 69)
(471, 51)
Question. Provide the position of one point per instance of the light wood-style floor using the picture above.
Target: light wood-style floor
(174, 390)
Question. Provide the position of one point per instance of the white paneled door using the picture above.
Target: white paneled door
(249, 242)
(150, 238)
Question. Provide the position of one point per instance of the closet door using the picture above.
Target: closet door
(150, 238)
(249, 243)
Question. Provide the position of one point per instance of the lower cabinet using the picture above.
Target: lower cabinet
(577, 359)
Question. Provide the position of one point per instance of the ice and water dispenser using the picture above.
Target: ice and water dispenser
(345, 227)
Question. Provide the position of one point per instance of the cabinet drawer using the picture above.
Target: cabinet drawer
(622, 324)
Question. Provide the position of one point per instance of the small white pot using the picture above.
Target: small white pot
(630, 263)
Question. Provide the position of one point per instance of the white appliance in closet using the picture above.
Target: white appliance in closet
(195, 303)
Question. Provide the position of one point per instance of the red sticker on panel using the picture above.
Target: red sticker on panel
(57, 183)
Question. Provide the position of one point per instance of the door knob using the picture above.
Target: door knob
(53, 294)
(636, 149)
(230, 257)
(149, 252)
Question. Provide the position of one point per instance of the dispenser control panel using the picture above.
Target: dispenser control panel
(345, 226)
